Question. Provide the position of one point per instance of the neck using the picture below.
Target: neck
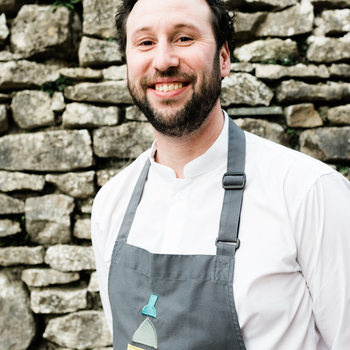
(177, 152)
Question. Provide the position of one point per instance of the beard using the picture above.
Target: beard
(191, 116)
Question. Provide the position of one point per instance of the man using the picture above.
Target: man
(165, 230)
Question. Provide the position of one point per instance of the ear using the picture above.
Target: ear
(225, 62)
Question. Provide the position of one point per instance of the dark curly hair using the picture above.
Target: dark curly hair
(222, 22)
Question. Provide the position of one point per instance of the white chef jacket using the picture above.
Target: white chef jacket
(292, 270)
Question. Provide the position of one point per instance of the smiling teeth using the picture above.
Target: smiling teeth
(170, 87)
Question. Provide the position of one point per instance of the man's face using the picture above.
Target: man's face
(174, 69)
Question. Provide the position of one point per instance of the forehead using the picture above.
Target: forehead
(158, 14)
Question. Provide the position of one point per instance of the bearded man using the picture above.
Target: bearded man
(173, 272)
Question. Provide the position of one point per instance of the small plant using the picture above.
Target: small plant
(282, 60)
(69, 4)
(56, 86)
(344, 170)
(291, 132)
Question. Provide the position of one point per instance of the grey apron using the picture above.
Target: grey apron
(180, 302)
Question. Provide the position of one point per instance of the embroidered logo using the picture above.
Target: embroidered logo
(149, 309)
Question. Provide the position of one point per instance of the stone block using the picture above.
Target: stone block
(10, 205)
(94, 52)
(24, 74)
(339, 115)
(58, 300)
(114, 73)
(243, 88)
(8, 5)
(57, 103)
(270, 4)
(296, 91)
(133, 113)
(32, 109)
(335, 22)
(38, 31)
(275, 72)
(79, 74)
(82, 229)
(326, 144)
(4, 31)
(70, 258)
(77, 185)
(124, 141)
(269, 49)
(303, 116)
(83, 115)
(330, 3)
(79, 330)
(113, 92)
(48, 218)
(99, 18)
(5, 97)
(93, 284)
(14, 181)
(6, 56)
(255, 112)
(328, 50)
(45, 277)
(340, 71)
(3, 119)
(295, 20)
(270, 131)
(17, 324)
(46, 151)
(246, 24)
(9, 228)
(244, 67)
(22, 255)
(86, 206)
(103, 176)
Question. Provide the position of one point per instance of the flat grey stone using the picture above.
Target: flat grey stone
(243, 88)
(48, 218)
(15, 181)
(340, 70)
(58, 300)
(8, 5)
(6, 56)
(79, 74)
(303, 116)
(5, 97)
(255, 111)
(46, 151)
(17, 324)
(99, 18)
(243, 67)
(297, 91)
(45, 277)
(133, 113)
(82, 229)
(9, 205)
(94, 52)
(260, 50)
(93, 284)
(21, 255)
(274, 71)
(270, 131)
(328, 50)
(339, 115)
(326, 144)
(79, 330)
(86, 206)
(3, 119)
(270, 4)
(24, 74)
(9, 228)
(128, 140)
(57, 103)
(336, 22)
(38, 31)
(32, 109)
(295, 20)
(4, 31)
(246, 24)
(87, 115)
(103, 176)
(113, 92)
(77, 185)
(70, 258)
(114, 73)
(331, 3)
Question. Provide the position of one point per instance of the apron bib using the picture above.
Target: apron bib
(180, 302)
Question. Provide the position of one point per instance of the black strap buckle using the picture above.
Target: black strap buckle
(236, 244)
(233, 181)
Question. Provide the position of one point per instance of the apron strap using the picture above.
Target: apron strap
(134, 202)
(233, 182)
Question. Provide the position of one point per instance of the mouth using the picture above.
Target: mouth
(169, 87)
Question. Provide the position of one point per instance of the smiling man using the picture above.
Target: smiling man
(173, 272)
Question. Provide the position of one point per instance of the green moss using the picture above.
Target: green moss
(69, 4)
(56, 86)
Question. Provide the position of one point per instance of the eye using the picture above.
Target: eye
(184, 39)
(146, 43)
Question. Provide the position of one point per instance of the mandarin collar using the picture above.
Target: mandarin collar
(214, 157)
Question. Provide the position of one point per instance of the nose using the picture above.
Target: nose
(165, 56)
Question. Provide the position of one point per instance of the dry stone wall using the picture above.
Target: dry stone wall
(68, 124)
